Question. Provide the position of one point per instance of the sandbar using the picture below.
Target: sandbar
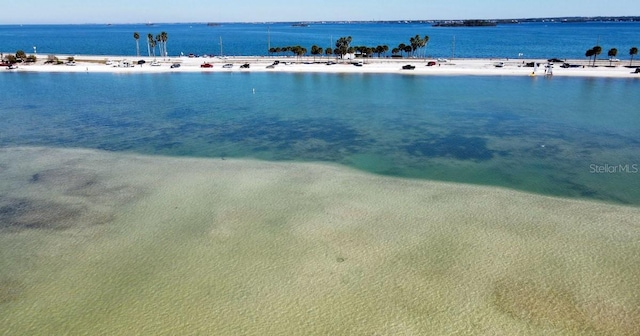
(461, 67)
(131, 244)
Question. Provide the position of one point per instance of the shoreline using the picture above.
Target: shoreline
(455, 67)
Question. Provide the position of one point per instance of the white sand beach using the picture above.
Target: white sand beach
(482, 67)
(104, 243)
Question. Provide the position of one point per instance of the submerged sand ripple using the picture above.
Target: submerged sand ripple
(257, 248)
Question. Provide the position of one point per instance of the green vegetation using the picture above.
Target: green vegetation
(612, 53)
(343, 46)
(21, 55)
(296, 50)
(136, 36)
(160, 40)
(593, 52)
(315, 51)
(11, 59)
(632, 52)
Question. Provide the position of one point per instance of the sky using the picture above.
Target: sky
(139, 11)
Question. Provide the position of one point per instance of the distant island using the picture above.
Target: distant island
(465, 23)
(477, 22)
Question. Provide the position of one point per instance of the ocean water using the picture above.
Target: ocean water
(570, 137)
(533, 40)
(311, 204)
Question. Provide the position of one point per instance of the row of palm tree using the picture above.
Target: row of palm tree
(159, 40)
(364, 51)
(612, 53)
(344, 47)
(296, 50)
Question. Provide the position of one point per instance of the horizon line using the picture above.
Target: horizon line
(631, 18)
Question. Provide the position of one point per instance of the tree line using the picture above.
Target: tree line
(593, 53)
(159, 40)
(416, 48)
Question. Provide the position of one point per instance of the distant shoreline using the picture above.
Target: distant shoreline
(466, 66)
(559, 19)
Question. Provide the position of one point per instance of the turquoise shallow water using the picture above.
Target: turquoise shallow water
(572, 137)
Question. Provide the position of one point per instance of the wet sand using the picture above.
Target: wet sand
(102, 243)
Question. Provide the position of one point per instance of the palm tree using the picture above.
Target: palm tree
(159, 43)
(164, 37)
(20, 54)
(632, 52)
(612, 53)
(401, 48)
(423, 44)
(342, 46)
(379, 50)
(315, 51)
(328, 51)
(589, 54)
(408, 49)
(416, 43)
(597, 50)
(136, 36)
(149, 40)
(413, 42)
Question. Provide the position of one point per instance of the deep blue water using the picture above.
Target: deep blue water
(535, 134)
(534, 40)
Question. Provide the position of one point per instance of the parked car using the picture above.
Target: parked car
(206, 65)
(431, 63)
(555, 60)
(408, 67)
(245, 66)
(175, 65)
(141, 62)
(227, 66)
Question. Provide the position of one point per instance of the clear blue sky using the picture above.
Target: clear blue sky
(137, 11)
